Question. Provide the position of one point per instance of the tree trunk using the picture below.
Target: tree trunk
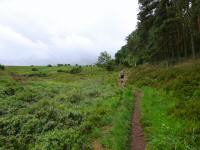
(198, 22)
(177, 46)
(184, 42)
(192, 45)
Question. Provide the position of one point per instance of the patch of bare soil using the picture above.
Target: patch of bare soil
(97, 145)
(137, 139)
(20, 78)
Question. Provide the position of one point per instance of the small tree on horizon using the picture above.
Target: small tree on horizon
(104, 59)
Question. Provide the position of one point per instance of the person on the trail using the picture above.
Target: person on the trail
(122, 77)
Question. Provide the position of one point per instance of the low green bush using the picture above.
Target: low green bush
(60, 70)
(76, 70)
(75, 97)
(49, 65)
(40, 74)
(9, 91)
(34, 69)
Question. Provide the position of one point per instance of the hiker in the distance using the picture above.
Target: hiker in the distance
(122, 77)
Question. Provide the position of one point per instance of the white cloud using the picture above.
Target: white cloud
(9, 35)
(63, 31)
(72, 41)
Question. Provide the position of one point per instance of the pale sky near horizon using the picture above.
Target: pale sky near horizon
(41, 32)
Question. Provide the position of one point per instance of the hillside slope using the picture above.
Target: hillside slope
(170, 105)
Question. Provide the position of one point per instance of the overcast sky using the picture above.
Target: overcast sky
(40, 32)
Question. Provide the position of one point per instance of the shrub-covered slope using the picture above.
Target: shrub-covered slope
(44, 108)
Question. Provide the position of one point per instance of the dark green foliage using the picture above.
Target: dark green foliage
(9, 91)
(103, 59)
(110, 66)
(40, 74)
(49, 65)
(34, 69)
(60, 70)
(168, 30)
(2, 67)
(60, 65)
(75, 70)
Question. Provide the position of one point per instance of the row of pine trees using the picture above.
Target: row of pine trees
(167, 30)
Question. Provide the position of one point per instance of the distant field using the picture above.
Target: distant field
(57, 108)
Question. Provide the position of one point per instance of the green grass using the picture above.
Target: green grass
(60, 110)
(170, 106)
(118, 136)
(163, 131)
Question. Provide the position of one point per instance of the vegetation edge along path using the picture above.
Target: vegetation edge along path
(137, 139)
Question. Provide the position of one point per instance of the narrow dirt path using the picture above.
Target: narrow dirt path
(138, 140)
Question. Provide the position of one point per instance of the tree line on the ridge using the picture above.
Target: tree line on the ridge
(167, 30)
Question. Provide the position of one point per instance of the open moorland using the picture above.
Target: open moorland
(63, 108)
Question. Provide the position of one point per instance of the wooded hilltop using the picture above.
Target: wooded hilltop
(167, 31)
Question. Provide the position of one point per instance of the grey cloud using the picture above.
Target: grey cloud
(51, 34)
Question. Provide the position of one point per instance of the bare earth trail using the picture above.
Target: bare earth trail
(137, 139)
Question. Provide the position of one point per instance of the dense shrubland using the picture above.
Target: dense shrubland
(62, 110)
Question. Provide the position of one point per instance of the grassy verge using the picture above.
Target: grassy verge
(115, 134)
(118, 136)
(172, 101)
(163, 130)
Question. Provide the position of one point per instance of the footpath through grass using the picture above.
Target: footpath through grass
(118, 137)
